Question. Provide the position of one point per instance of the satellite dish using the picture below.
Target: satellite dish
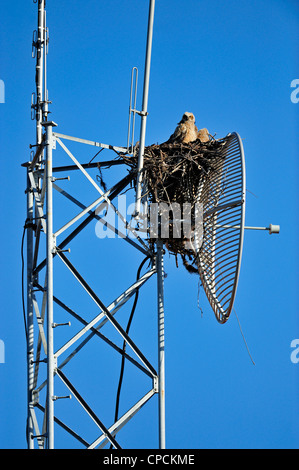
(222, 194)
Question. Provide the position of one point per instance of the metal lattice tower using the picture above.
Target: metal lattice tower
(45, 246)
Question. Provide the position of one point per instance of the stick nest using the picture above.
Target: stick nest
(173, 173)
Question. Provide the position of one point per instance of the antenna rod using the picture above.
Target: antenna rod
(271, 229)
(39, 69)
(144, 105)
(46, 97)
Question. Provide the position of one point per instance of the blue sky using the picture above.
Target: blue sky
(231, 64)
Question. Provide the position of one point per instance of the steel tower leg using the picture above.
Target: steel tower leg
(38, 113)
(50, 251)
(161, 348)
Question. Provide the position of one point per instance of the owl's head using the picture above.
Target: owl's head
(188, 117)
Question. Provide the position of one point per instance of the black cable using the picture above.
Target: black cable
(125, 343)
(23, 264)
(23, 300)
(27, 224)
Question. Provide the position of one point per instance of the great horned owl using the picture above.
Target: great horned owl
(203, 135)
(186, 130)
